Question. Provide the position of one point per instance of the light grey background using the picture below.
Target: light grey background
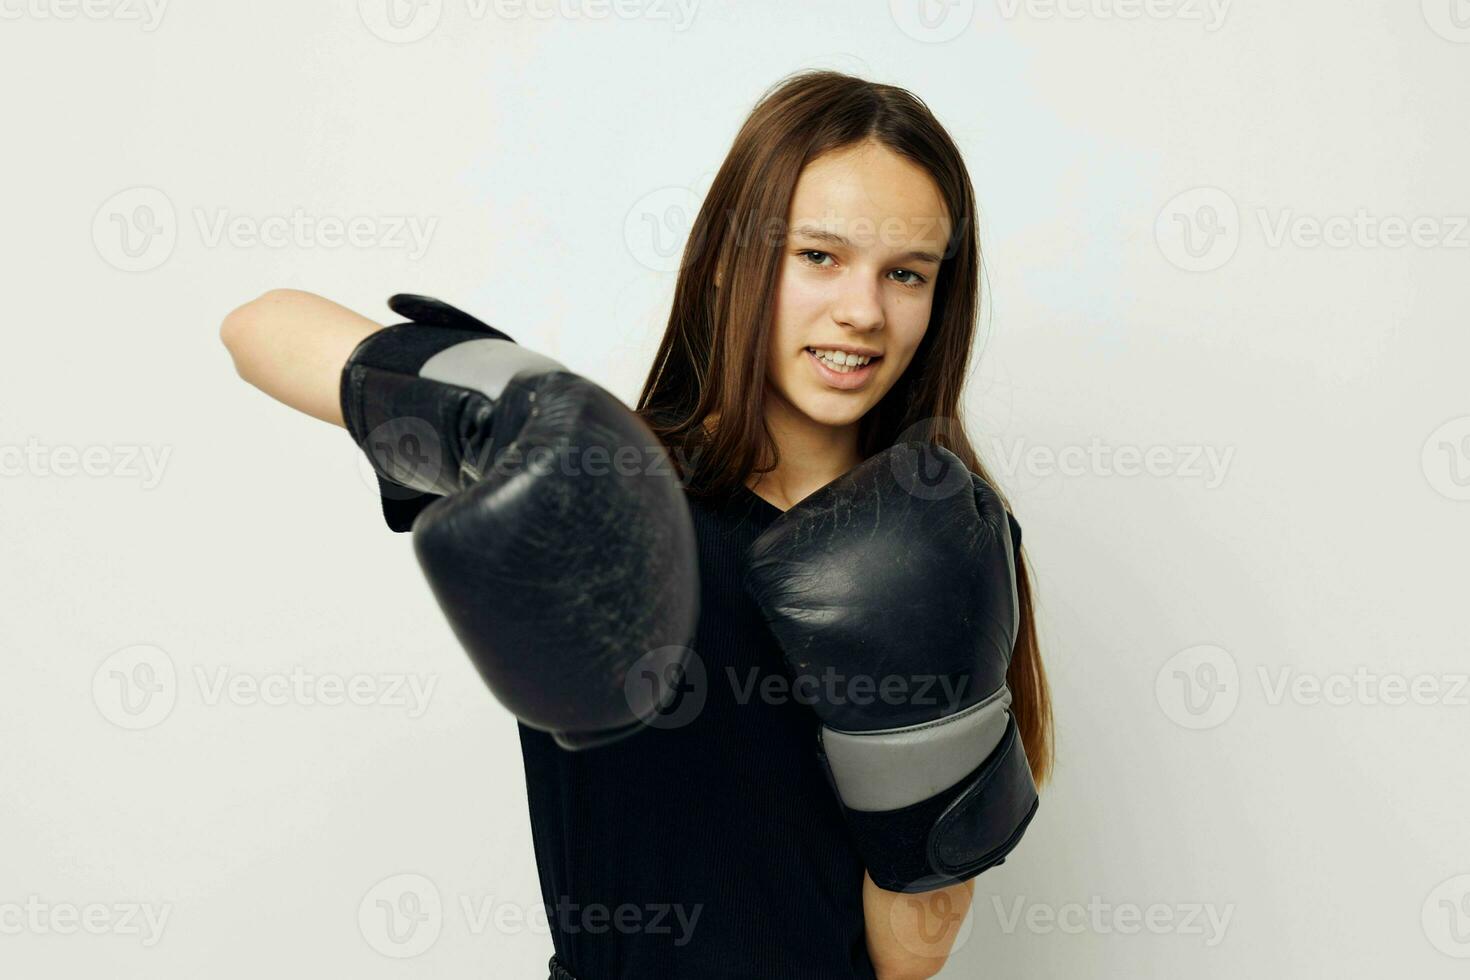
(1150, 176)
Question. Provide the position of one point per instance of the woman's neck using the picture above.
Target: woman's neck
(811, 454)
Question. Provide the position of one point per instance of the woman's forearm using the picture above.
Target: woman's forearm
(910, 936)
(292, 345)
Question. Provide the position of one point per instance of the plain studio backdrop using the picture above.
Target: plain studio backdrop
(1222, 376)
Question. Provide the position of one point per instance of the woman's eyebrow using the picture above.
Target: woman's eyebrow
(833, 238)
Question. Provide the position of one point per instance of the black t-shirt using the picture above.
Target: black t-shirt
(710, 847)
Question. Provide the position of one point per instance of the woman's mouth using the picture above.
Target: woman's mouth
(842, 370)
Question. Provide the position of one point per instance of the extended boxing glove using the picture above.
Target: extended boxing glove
(555, 534)
(892, 593)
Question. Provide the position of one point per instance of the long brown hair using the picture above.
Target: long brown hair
(712, 359)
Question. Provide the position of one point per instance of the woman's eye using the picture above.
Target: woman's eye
(815, 256)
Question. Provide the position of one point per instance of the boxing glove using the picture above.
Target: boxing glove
(546, 517)
(892, 593)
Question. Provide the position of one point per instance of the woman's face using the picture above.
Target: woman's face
(867, 232)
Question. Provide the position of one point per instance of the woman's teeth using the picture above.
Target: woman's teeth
(840, 361)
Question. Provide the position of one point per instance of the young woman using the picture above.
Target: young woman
(825, 311)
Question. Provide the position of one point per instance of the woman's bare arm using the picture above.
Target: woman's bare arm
(292, 345)
(910, 936)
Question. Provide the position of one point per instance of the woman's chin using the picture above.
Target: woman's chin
(824, 411)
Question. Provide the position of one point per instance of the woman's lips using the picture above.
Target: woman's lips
(846, 381)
